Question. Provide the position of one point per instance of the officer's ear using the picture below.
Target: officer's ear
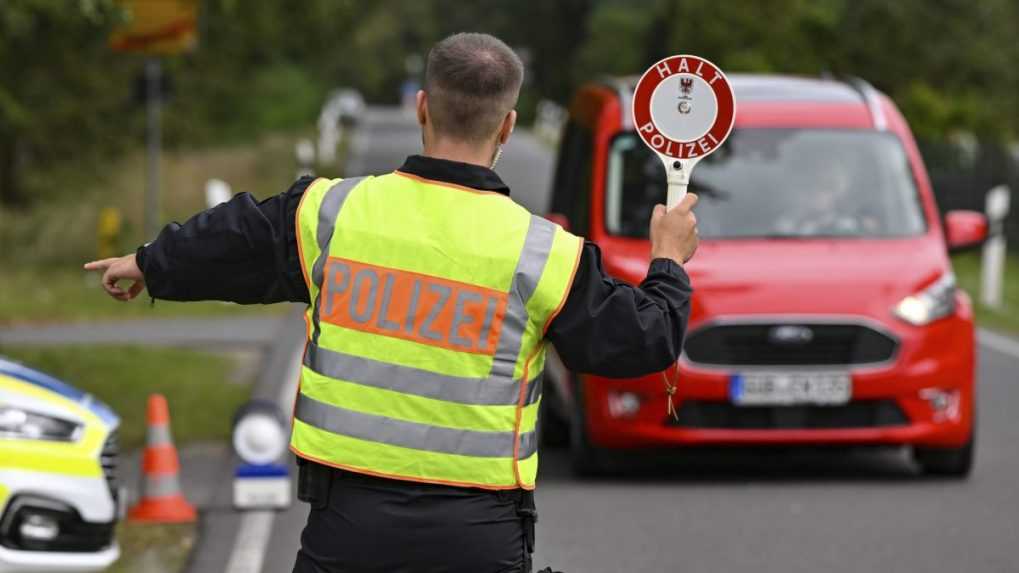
(508, 123)
(422, 107)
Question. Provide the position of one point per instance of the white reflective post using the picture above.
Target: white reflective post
(217, 191)
(993, 263)
(304, 152)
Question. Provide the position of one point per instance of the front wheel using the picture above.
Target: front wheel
(948, 462)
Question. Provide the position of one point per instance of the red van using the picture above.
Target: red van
(825, 311)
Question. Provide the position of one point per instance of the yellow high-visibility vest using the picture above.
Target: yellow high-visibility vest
(429, 306)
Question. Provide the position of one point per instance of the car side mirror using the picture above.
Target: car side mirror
(965, 230)
(559, 219)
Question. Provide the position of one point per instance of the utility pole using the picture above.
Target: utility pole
(155, 29)
(153, 143)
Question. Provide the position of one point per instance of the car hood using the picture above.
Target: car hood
(36, 378)
(799, 276)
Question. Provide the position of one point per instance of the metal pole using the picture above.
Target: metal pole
(153, 143)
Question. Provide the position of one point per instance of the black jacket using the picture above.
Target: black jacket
(246, 251)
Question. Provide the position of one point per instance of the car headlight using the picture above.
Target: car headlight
(27, 425)
(934, 302)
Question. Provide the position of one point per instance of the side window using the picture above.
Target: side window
(572, 183)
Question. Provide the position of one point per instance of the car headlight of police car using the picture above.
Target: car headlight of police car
(59, 500)
(21, 423)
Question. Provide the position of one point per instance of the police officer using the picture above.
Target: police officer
(431, 296)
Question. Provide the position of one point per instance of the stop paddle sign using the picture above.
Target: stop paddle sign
(683, 109)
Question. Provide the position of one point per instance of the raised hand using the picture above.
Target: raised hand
(674, 231)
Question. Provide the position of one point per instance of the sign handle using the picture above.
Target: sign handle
(676, 193)
(678, 177)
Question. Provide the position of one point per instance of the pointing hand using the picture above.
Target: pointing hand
(116, 269)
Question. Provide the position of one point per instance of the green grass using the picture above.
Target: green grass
(43, 247)
(66, 294)
(200, 387)
(60, 228)
(151, 548)
(967, 272)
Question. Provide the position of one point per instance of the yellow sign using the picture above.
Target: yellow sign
(108, 232)
(162, 27)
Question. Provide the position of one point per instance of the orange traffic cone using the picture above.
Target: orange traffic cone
(161, 500)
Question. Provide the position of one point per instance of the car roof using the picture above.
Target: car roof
(775, 88)
(755, 87)
(848, 102)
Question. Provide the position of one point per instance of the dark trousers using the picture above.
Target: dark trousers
(363, 524)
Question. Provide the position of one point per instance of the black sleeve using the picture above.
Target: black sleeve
(240, 251)
(610, 328)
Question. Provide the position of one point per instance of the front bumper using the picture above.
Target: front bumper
(72, 543)
(938, 358)
(85, 510)
(24, 561)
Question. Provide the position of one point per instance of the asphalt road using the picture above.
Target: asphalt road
(810, 512)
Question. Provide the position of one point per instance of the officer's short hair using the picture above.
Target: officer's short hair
(472, 82)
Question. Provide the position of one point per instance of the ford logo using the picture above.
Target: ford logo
(789, 334)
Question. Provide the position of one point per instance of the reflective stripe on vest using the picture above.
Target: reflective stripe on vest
(339, 420)
(409, 380)
(327, 213)
(372, 413)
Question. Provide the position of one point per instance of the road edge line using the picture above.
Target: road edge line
(998, 342)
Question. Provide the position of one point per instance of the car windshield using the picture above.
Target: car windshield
(784, 183)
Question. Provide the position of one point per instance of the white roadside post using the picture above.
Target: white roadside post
(304, 152)
(342, 108)
(549, 120)
(683, 109)
(329, 127)
(217, 191)
(993, 264)
(328, 133)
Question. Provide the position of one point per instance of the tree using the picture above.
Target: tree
(56, 101)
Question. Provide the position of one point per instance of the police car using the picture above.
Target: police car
(59, 503)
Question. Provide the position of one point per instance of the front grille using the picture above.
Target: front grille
(789, 344)
(723, 415)
(108, 460)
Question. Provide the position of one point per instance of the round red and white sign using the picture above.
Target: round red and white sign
(683, 107)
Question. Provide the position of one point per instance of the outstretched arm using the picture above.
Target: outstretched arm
(240, 251)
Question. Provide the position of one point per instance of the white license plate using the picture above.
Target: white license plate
(787, 388)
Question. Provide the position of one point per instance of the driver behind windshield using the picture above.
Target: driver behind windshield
(825, 202)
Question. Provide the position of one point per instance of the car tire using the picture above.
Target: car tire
(586, 459)
(946, 462)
